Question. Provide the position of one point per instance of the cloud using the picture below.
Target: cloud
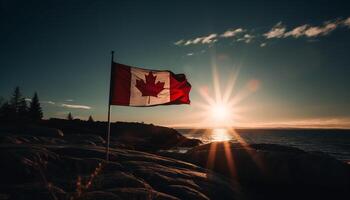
(190, 54)
(69, 100)
(232, 33)
(297, 32)
(247, 38)
(276, 31)
(316, 31)
(321, 30)
(43, 102)
(75, 106)
(279, 30)
(179, 42)
(209, 39)
(48, 102)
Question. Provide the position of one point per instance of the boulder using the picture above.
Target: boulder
(269, 170)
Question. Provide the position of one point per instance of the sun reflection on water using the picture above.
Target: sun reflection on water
(220, 134)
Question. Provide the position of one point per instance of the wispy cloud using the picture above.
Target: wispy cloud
(203, 40)
(309, 31)
(277, 31)
(43, 102)
(232, 32)
(48, 102)
(315, 31)
(247, 38)
(179, 42)
(209, 39)
(190, 54)
(297, 32)
(76, 106)
(69, 100)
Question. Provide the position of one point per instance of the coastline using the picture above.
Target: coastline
(63, 159)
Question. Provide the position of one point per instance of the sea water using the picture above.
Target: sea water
(335, 142)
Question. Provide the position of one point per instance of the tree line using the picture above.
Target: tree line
(17, 109)
(71, 118)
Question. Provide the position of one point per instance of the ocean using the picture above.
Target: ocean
(335, 142)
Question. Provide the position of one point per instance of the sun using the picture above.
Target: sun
(220, 112)
(221, 107)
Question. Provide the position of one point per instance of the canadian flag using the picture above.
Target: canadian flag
(132, 86)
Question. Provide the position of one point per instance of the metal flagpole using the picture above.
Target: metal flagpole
(109, 110)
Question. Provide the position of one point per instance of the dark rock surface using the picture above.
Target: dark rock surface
(44, 162)
(79, 172)
(268, 171)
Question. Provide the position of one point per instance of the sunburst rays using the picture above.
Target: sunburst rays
(220, 108)
(226, 105)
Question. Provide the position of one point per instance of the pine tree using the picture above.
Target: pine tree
(22, 108)
(1, 107)
(35, 111)
(70, 117)
(16, 97)
(6, 111)
(90, 119)
(18, 104)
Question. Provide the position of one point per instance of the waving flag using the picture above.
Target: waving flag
(132, 86)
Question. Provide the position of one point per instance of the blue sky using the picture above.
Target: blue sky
(295, 54)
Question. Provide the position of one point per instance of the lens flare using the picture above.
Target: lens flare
(220, 108)
(220, 112)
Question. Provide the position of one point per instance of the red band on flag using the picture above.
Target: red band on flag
(120, 85)
(179, 89)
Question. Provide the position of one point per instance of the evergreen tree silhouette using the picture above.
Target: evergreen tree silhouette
(70, 117)
(18, 104)
(1, 107)
(35, 112)
(90, 119)
(6, 112)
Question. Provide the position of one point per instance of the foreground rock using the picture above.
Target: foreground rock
(267, 171)
(79, 172)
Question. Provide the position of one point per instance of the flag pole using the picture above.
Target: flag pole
(109, 110)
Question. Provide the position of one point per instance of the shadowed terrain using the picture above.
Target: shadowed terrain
(61, 159)
(45, 163)
(269, 171)
(79, 172)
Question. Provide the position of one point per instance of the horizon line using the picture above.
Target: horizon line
(266, 126)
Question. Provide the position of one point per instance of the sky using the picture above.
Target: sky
(289, 59)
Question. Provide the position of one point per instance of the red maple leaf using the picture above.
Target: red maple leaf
(150, 88)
